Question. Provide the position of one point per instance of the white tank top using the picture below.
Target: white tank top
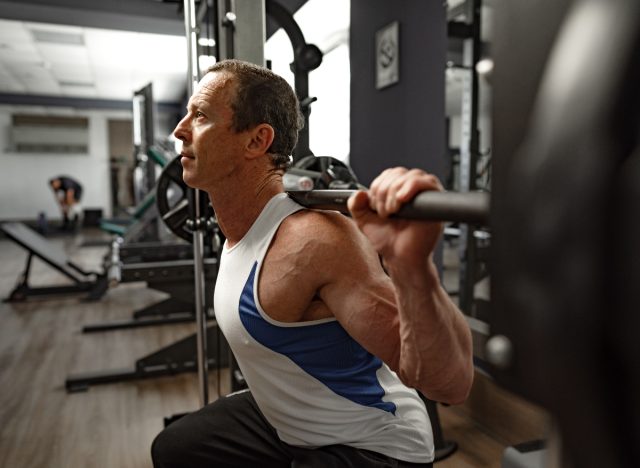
(313, 382)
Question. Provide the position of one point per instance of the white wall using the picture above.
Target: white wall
(324, 23)
(24, 188)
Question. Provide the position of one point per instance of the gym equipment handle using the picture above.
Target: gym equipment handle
(463, 207)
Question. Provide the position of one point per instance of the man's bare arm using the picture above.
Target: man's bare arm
(324, 255)
(434, 339)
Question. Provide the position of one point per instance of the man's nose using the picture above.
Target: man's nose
(181, 132)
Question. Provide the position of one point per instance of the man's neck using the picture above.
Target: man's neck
(239, 201)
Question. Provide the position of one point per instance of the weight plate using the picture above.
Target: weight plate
(331, 173)
(172, 199)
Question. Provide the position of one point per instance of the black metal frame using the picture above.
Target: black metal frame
(93, 283)
(173, 277)
(176, 358)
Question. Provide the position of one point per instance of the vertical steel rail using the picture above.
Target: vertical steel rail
(191, 31)
(469, 149)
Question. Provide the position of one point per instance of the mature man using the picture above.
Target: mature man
(328, 342)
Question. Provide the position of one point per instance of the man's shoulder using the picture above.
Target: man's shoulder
(317, 224)
(320, 238)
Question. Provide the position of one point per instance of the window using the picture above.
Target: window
(49, 134)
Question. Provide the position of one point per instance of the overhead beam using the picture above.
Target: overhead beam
(131, 15)
(79, 103)
(159, 17)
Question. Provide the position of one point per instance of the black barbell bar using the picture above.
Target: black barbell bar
(462, 207)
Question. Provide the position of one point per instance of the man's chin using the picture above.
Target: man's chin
(190, 181)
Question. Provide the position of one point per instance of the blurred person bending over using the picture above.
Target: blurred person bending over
(68, 193)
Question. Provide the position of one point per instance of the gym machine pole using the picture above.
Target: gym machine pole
(469, 31)
(247, 17)
(145, 171)
(197, 225)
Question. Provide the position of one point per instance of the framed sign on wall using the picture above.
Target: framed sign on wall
(388, 55)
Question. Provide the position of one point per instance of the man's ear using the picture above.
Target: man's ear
(260, 139)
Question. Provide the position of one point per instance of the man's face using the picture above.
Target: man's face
(211, 150)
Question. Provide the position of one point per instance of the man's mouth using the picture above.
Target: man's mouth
(186, 155)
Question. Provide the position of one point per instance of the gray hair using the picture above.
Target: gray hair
(263, 97)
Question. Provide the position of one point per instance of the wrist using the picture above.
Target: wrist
(415, 272)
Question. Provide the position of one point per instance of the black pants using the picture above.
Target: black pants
(233, 433)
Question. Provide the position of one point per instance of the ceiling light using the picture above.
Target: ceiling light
(206, 42)
(484, 66)
(205, 61)
(76, 84)
(57, 37)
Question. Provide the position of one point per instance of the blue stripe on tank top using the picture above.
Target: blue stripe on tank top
(324, 351)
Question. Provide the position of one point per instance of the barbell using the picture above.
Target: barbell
(322, 171)
(174, 205)
(463, 207)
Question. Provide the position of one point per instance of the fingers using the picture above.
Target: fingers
(397, 186)
(358, 204)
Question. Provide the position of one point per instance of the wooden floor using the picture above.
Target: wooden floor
(113, 425)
